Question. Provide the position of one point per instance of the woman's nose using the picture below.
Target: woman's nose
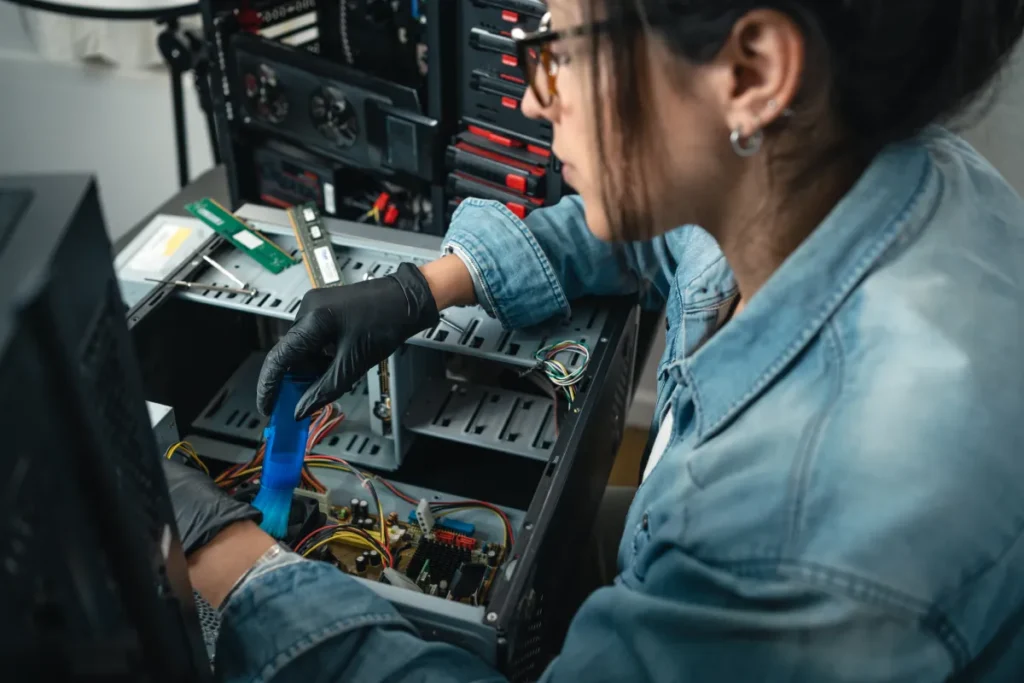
(533, 109)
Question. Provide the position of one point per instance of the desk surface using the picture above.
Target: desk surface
(115, 9)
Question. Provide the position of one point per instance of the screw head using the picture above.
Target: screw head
(492, 617)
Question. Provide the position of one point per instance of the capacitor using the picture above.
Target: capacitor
(354, 507)
(367, 522)
(364, 509)
(492, 557)
(360, 564)
(374, 558)
(443, 585)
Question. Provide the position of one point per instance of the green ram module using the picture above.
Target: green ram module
(244, 237)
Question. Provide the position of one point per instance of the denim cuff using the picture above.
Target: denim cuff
(281, 615)
(478, 284)
(513, 277)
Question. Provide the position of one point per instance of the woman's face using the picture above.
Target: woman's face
(687, 172)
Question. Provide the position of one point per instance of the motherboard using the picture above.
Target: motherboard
(368, 527)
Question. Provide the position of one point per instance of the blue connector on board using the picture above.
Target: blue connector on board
(285, 452)
(459, 527)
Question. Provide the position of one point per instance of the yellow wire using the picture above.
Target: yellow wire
(190, 452)
(382, 534)
(251, 470)
(315, 463)
(357, 540)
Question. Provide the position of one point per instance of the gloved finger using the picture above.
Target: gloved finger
(323, 391)
(301, 347)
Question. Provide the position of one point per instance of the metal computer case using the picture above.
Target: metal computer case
(526, 615)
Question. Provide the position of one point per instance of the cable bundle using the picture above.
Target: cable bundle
(347, 533)
(558, 372)
(189, 451)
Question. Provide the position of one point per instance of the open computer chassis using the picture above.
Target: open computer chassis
(464, 422)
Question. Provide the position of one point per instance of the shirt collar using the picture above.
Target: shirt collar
(741, 360)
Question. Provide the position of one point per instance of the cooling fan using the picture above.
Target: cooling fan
(265, 96)
(333, 115)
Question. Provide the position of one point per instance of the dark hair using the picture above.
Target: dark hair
(892, 68)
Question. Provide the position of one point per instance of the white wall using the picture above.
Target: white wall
(115, 123)
(12, 33)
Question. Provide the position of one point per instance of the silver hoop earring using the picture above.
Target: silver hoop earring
(748, 147)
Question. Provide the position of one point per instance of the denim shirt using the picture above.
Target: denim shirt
(842, 494)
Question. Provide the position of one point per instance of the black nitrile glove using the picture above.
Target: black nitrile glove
(365, 322)
(201, 510)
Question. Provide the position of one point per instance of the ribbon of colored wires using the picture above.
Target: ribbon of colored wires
(341, 532)
(323, 423)
(560, 374)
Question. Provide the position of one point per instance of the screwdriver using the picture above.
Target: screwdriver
(199, 285)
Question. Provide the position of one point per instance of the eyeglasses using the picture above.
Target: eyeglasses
(539, 64)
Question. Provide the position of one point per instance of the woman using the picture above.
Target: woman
(834, 489)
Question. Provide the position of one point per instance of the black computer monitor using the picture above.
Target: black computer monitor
(93, 581)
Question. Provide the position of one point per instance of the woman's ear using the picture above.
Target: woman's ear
(759, 70)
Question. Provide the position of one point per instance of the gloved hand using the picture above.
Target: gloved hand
(365, 322)
(201, 510)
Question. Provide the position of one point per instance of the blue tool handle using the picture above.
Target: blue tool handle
(286, 438)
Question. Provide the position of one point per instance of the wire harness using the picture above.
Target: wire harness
(558, 372)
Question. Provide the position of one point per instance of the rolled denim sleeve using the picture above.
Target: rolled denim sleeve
(526, 272)
(309, 622)
(683, 621)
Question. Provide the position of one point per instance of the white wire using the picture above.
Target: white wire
(559, 373)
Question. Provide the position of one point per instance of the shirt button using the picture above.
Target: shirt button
(644, 522)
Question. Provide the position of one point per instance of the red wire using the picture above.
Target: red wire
(410, 499)
(298, 546)
(314, 533)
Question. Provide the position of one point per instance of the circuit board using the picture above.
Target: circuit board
(440, 562)
(436, 549)
(241, 235)
(315, 244)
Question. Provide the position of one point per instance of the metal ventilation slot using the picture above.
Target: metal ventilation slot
(468, 334)
(232, 414)
(503, 420)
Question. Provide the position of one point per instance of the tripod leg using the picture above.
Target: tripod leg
(180, 132)
(203, 91)
(179, 60)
